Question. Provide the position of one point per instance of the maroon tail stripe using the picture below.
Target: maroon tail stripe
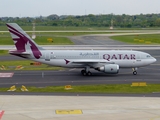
(14, 29)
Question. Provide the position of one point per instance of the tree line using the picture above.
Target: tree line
(103, 20)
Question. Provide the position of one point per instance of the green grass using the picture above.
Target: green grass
(12, 65)
(4, 28)
(6, 41)
(69, 33)
(28, 28)
(4, 34)
(4, 52)
(139, 39)
(59, 38)
(43, 40)
(107, 88)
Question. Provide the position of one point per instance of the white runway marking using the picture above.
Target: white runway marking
(6, 74)
(72, 69)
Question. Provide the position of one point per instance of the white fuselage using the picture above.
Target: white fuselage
(79, 58)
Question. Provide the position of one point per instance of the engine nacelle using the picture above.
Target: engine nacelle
(109, 68)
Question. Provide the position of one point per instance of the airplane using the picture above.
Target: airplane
(107, 61)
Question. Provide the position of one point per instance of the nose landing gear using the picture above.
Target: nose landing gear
(134, 71)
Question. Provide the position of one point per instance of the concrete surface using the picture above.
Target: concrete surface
(93, 108)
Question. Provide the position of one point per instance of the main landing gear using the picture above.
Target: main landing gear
(134, 71)
(86, 72)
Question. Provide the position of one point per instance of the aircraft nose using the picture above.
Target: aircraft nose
(154, 60)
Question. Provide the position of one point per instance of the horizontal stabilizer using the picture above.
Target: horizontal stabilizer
(19, 53)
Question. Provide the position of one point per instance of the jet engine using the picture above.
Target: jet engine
(109, 68)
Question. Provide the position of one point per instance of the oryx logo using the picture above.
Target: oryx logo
(67, 61)
(22, 42)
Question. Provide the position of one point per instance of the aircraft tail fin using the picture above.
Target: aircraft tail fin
(22, 41)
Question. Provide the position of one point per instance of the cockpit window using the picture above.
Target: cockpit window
(148, 56)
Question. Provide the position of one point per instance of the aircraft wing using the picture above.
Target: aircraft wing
(93, 63)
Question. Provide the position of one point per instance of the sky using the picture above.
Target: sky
(34, 8)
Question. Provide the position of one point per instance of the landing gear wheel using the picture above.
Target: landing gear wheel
(89, 73)
(134, 72)
(83, 72)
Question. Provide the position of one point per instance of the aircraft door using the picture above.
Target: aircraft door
(47, 56)
(97, 56)
(135, 61)
(138, 59)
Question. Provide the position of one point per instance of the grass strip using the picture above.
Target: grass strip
(50, 40)
(41, 40)
(4, 52)
(107, 88)
(25, 65)
(139, 39)
(43, 28)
